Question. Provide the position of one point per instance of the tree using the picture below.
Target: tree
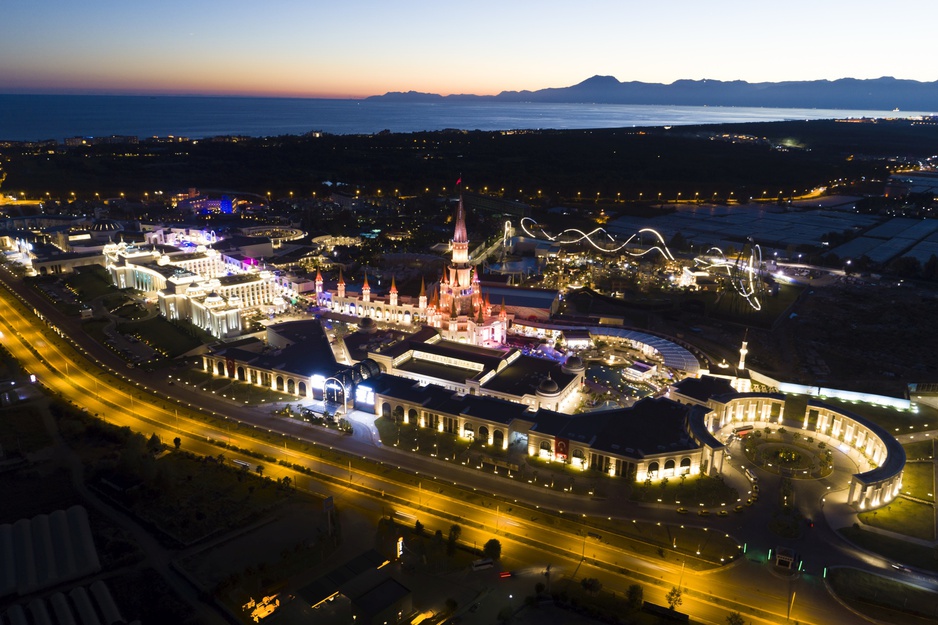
(591, 585)
(674, 597)
(492, 549)
(154, 444)
(260, 470)
(735, 619)
(177, 442)
(418, 528)
(454, 533)
(635, 596)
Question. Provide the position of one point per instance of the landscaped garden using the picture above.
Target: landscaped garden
(788, 454)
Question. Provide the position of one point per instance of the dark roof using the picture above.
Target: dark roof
(338, 579)
(520, 297)
(524, 374)
(651, 426)
(380, 597)
(419, 337)
(309, 352)
(704, 387)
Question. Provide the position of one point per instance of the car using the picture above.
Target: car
(750, 501)
(474, 608)
(900, 567)
(722, 513)
(682, 510)
(703, 512)
(738, 508)
(809, 522)
(755, 488)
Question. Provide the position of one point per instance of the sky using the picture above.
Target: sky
(357, 48)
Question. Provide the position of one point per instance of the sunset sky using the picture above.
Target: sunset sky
(357, 48)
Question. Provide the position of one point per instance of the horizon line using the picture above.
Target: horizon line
(117, 92)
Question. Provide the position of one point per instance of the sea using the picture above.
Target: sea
(57, 117)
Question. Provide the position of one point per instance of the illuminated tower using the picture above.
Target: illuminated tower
(392, 294)
(340, 287)
(318, 285)
(458, 291)
(366, 290)
(422, 298)
(743, 351)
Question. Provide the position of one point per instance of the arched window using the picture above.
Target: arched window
(291, 386)
(468, 430)
(412, 415)
(578, 453)
(301, 389)
(386, 410)
(669, 466)
(685, 465)
(279, 383)
(484, 433)
(545, 446)
(221, 368)
(653, 469)
(498, 439)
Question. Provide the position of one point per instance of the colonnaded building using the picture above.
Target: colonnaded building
(865, 442)
(522, 404)
(506, 399)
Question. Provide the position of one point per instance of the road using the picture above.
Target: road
(486, 512)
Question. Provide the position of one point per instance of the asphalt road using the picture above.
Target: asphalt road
(152, 406)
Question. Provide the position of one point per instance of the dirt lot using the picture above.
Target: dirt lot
(862, 337)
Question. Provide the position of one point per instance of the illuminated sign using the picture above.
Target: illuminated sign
(364, 395)
(318, 382)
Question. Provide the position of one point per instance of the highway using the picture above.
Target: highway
(409, 487)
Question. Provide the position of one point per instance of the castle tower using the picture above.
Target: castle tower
(366, 290)
(422, 299)
(392, 294)
(456, 285)
(318, 285)
(341, 285)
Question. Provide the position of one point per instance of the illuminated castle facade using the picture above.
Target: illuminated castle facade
(456, 307)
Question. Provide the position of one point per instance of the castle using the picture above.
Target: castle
(456, 307)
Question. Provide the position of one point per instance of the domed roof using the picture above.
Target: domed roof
(367, 325)
(547, 387)
(573, 365)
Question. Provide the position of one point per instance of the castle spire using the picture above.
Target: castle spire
(423, 288)
(393, 286)
(460, 236)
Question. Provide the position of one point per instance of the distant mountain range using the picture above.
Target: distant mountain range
(875, 94)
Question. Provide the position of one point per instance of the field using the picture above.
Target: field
(893, 549)
(883, 598)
